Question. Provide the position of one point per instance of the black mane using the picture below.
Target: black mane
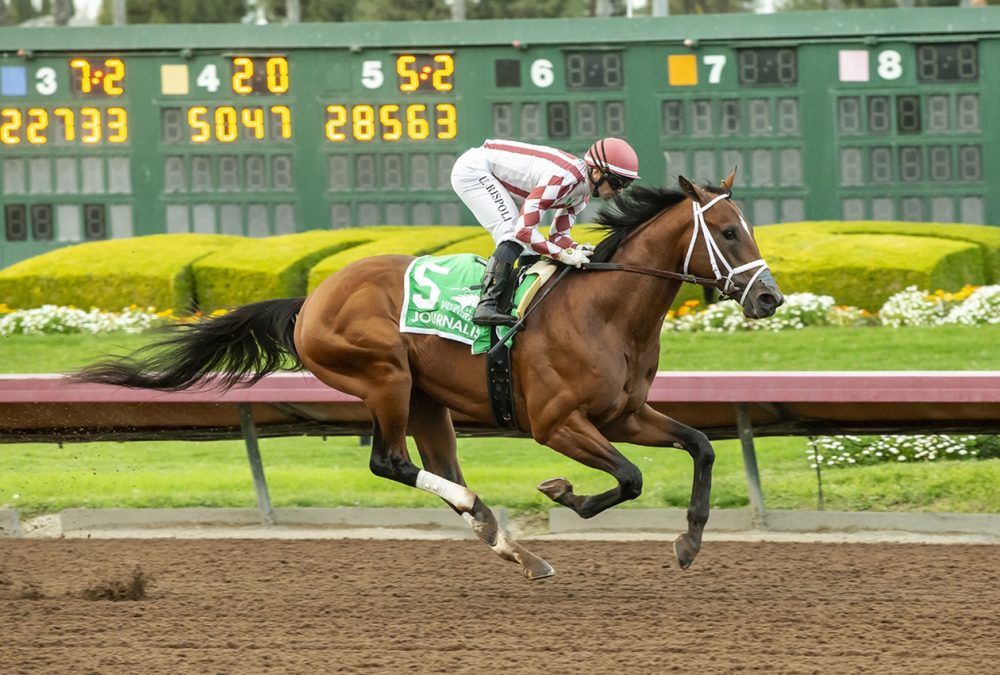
(629, 210)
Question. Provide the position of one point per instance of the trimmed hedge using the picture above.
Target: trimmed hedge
(272, 267)
(150, 271)
(857, 263)
(863, 263)
(405, 240)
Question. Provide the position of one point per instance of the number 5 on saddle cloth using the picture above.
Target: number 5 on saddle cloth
(440, 295)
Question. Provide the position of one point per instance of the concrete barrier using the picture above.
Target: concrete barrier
(563, 521)
(10, 524)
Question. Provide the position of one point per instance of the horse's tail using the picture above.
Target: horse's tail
(238, 348)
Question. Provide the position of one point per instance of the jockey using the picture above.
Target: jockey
(494, 178)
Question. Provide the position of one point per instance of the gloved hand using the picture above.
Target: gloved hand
(575, 256)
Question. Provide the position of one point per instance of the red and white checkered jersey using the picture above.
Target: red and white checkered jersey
(543, 179)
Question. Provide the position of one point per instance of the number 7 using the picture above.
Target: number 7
(716, 62)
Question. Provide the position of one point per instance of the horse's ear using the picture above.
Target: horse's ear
(727, 184)
(693, 191)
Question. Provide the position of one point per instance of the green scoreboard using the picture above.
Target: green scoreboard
(260, 130)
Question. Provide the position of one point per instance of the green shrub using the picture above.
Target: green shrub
(405, 240)
(272, 267)
(863, 263)
(152, 271)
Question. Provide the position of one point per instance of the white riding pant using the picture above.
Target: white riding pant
(485, 196)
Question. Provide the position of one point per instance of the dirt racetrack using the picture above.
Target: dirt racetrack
(273, 606)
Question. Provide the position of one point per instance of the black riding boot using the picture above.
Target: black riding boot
(495, 282)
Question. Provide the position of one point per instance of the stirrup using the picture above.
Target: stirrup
(494, 317)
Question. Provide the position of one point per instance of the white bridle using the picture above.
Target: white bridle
(715, 255)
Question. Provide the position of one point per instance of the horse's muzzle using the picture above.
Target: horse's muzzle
(764, 298)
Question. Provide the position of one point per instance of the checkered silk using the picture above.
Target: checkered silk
(547, 180)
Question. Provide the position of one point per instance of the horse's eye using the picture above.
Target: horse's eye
(729, 233)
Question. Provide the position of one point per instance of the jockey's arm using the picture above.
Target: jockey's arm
(539, 200)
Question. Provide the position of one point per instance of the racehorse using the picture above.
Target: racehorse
(582, 366)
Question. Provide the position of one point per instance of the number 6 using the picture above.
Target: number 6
(541, 73)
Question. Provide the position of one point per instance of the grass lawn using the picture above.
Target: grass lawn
(938, 348)
(40, 478)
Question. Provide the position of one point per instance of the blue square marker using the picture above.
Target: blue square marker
(13, 81)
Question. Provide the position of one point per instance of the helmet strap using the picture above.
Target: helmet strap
(594, 193)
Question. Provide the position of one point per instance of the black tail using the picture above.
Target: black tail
(239, 348)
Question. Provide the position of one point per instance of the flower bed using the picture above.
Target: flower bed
(910, 307)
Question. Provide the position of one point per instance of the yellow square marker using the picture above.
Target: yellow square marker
(174, 79)
(682, 70)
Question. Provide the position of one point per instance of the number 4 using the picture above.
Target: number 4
(208, 78)
(715, 63)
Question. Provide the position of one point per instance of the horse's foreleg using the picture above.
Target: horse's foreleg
(578, 439)
(648, 427)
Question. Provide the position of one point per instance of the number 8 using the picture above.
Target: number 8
(890, 65)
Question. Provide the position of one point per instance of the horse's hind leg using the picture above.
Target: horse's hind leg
(432, 429)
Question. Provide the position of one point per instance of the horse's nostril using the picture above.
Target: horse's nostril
(768, 301)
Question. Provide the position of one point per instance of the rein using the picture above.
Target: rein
(653, 272)
(724, 284)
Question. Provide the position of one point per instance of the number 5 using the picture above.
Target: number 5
(371, 74)
(715, 62)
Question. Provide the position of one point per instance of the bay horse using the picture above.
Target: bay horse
(582, 367)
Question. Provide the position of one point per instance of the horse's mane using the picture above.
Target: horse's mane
(629, 210)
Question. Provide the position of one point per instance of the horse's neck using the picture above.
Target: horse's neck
(638, 301)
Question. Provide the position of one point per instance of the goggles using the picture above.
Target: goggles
(616, 182)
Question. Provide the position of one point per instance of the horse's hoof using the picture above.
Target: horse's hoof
(685, 551)
(539, 569)
(555, 488)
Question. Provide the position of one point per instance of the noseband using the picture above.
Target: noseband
(726, 284)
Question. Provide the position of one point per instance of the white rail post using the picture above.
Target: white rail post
(256, 466)
(744, 426)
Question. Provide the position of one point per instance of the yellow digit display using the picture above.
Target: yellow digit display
(260, 75)
(336, 120)
(114, 76)
(417, 126)
(38, 122)
(277, 75)
(242, 75)
(90, 125)
(441, 79)
(409, 80)
(42, 126)
(392, 127)
(10, 121)
(202, 130)
(363, 122)
(253, 119)
(425, 72)
(447, 122)
(68, 118)
(82, 67)
(117, 125)
(284, 119)
(391, 122)
(226, 127)
(97, 77)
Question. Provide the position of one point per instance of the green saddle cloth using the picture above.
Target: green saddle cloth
(439, 299)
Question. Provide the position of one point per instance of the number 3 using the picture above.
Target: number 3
(46, 84)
